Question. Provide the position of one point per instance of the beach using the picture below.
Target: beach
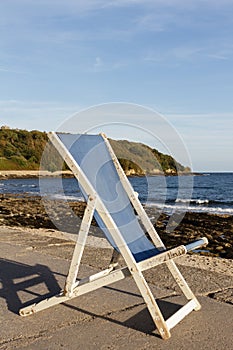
(45, 218)
(35, 257)
(33, 212)
(34, 261)
(37, 238)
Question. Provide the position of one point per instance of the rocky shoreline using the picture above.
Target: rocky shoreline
(29, 211)
(30, 174)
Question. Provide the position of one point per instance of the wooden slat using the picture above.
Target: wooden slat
(80, 245)
(180, 314)
(162, 258)
(79, 290)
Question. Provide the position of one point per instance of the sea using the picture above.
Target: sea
(207, 193)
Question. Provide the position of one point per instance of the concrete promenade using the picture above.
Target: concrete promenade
(33, 265)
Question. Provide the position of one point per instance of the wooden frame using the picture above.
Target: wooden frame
(113, 273)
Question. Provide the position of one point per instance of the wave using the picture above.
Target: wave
(63, 197)
(195, 201)
(222, 202)
(168, 208)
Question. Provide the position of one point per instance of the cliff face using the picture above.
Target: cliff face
(22, 150)
(145, 160)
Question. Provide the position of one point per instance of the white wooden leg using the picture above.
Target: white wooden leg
(79, 247)
(151, 304)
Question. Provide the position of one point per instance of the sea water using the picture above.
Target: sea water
(209, 193)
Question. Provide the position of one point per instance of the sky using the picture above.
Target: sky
(175, 57)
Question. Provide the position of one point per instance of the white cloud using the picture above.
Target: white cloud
(59, 18)
(30, 115)
(98, 63)
(190, 52)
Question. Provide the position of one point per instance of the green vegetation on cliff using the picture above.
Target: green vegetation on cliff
(22, 150)
(145, 160)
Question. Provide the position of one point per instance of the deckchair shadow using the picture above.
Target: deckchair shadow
(113, 202)
(18, 278)
(141, 321)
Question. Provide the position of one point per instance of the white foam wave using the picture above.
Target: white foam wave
(35, 193)
(64, 197)
(196, 201)
(166, 208)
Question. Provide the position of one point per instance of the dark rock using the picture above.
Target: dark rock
(29, 211)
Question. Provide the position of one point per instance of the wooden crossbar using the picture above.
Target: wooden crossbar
(83, 286)
(180, 314)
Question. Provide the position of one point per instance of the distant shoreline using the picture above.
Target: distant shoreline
(27, 174)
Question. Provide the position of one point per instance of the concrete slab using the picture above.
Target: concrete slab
(114, 317)
(27, 277)
(133, 328)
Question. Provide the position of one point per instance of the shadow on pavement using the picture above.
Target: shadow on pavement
(19, 282)
(141, 321)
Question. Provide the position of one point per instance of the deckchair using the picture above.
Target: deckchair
(115, 205)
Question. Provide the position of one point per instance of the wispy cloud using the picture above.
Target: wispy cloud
(146, 16)
(98, 65)
(10, 70)
(189, 53)
(218, 56)
(107, 65)
(67, 47)
(35, 114)
(205, 130)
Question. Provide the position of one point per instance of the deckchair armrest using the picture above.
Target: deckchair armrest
(170, 254)
(197, 244)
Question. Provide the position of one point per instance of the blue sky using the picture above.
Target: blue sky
(174, 56)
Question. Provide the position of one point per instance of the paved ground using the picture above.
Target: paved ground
(113, 317)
